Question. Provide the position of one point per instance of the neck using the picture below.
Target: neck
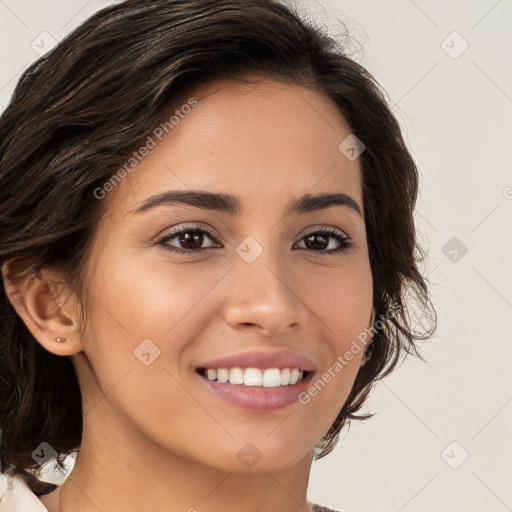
(118, 468)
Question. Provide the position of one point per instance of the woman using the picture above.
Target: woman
(207, 244)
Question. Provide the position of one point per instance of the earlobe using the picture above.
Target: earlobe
(45, 310)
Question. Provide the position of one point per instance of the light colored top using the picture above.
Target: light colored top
(16, 496)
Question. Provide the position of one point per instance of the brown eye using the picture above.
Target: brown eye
(319, 241)
(189, 240)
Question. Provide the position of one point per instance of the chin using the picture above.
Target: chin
(253, 457)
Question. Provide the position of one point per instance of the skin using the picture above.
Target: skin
(154, 437)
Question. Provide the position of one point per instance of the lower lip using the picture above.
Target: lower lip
(255, 398)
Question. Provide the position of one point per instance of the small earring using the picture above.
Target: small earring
(60, 340)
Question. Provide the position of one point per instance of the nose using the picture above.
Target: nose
(266, 297)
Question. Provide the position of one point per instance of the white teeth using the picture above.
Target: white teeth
(255, 377)
(222, 375)
(294, 376)
(252, 377)
(211, 374)
(236, 376)
(272, 378)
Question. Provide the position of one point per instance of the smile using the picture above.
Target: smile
(255, 377)
(255, 389)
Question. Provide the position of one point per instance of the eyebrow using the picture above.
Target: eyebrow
(231, 205)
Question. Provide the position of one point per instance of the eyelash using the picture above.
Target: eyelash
(345, 242)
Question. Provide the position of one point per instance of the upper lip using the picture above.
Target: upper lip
(258, 359)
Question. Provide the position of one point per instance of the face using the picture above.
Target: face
(256, 280)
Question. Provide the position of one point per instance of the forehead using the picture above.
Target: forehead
(264, 142)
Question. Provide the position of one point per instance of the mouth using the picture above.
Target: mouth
(255, 377)
(256, 389)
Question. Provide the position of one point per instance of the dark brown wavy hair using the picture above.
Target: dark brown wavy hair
(79, 111)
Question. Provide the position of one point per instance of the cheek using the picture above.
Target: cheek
(342, 300)
(342, 303)
(153, 300)
(132, 303)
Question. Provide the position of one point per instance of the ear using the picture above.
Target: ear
(47, 306)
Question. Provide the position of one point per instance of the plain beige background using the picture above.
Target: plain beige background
(441, 438)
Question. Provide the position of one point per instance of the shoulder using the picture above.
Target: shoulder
(16, 495)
